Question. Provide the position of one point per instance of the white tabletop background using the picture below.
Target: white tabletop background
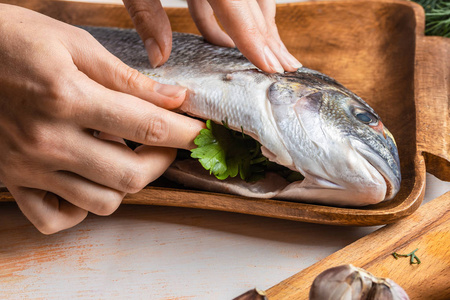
(150, 252)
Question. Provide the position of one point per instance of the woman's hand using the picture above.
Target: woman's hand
(58, 88)
(250, 25)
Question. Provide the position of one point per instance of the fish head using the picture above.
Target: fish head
(340, 144)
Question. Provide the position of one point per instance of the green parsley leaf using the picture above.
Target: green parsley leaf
(227, 153)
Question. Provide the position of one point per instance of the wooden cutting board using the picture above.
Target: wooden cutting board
(428, 229)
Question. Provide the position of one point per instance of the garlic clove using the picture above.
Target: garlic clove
(347, 282)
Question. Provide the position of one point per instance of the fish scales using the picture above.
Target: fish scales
(304, 120)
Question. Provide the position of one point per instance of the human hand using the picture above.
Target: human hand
(58, 86)
(250, 25)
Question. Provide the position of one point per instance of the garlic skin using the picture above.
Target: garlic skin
(347, 282)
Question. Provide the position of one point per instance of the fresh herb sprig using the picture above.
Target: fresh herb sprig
(437, 17)
(227, 153)
(414, 259)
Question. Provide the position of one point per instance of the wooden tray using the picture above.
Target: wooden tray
(377, 49)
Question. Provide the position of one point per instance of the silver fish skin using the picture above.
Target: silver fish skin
(304, 120)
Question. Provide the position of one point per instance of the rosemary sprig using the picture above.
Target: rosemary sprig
(412, 254)
(437, 17)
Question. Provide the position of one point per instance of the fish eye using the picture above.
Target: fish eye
(365, 117)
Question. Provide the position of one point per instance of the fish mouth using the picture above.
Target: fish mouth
(391, 177)
(389, 188)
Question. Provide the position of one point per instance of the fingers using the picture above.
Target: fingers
(264, 14)
(100, 182)
(268, 9)
(204, 18)
(70, 196)
(250, 25)
(116, 166)
(128, 117)
(101, 66)
(252, 28)
(85, 194)
(153, 26)
(47, 212)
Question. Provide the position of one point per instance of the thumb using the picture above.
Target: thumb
(153, 26)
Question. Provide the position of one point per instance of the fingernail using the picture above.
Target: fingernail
(154, 52)
(272, 60)
(293, 62)
(171, 91)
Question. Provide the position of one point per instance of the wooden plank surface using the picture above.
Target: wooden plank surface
(161, 253)
(428, 229)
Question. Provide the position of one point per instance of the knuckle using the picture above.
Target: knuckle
(59, 97)
(133, 181)
(109, 205)
(155, 132)
(140, 14)
(49, 225)
(253, 31)
(42, 140)
(41, 147)
(130, 77)
(82, 33)
(55, 215)
(38, 138)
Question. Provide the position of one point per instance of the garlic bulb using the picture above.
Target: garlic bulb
(347, 282)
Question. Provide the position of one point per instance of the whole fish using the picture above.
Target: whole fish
(305, 121)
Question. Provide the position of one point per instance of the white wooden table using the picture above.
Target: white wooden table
(148, 252)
